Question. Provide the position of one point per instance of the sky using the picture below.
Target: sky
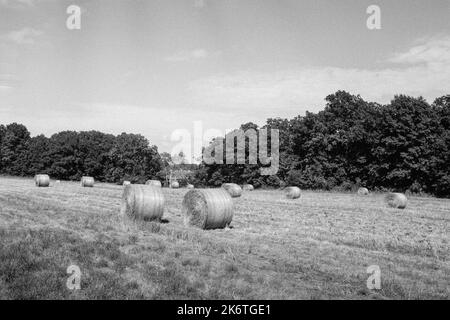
(157, 66)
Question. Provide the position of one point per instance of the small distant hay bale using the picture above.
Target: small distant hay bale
(174, 185)
(42, 180)
(207, 208)
(87, 182)
(126, 183)
(58, 181)
(233, 189)
(190, 186)
(155, 183)
(363, 191)
(142, 202)
(292, 192)
(396, 200)
(248, 187)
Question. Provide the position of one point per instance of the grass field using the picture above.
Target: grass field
(315, 247)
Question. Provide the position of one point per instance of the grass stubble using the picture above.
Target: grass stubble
(315, 247)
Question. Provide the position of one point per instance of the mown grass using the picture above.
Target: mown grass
(33, 265)
(316, 247)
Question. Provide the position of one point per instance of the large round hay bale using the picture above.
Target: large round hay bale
(126, 183)
(42, 180)
(87, 182)
(155, 183)
(248, 187)
(396, 200)
(363, 191)
(233, 189)
(207, 208)
(292, 192)
(190, 186)
(174, 185)
(142, 202)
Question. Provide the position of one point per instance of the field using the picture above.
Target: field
(315, 247)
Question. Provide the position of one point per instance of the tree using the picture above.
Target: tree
(64, 153)
(2, 134)
(132, 158)
(93, 151)
(13, 148)
(38, 157)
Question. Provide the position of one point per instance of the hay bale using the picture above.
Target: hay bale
(207, 208)
(396, 200)
(292, 192)
(190, 186)
(155, 183)
(363, 191)
(174, 185)
(87, 182)
(248, 187)
(42, 180)
(142, 202)
(126, 183)
(233, 189)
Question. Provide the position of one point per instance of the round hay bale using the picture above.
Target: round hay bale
(396, 200)
(155, 183)
(233, 189)
(363, 191)
(87, 182)
(42, 180)
(207, 208)
(248, 187)
(174, 185)
(190, 186)
(142, 202)
(126, 183)
(292, 192)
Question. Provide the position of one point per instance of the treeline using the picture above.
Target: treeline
(69, 155)
(402, 146)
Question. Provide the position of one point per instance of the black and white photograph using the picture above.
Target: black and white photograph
(222, 155)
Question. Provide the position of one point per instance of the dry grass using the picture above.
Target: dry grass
(207, 208)
(142, 202)
(317, 248)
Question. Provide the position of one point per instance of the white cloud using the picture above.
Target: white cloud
(433, 51)
(23, 36)
(5, 88)
(6, 83)
(199, 3)
(424, 70)
(196, 54)
(17, 3)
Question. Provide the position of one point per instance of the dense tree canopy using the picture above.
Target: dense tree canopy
(404, 145)
(71, 155)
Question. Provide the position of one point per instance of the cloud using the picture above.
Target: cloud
(199, 3)
(5, 87)
(433, 51)
(196, 54)
(17, 3)
(422, 70)
(23, 36)
(7, 83)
